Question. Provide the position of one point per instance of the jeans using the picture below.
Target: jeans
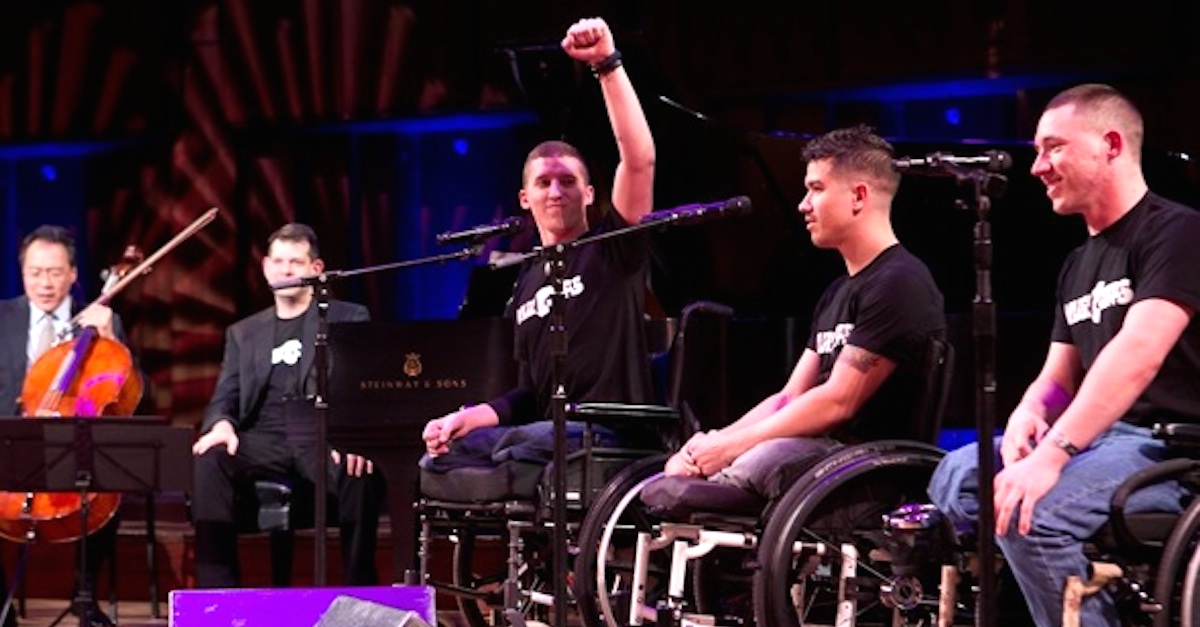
(534, 443)
(770, 467)
(1073, 511)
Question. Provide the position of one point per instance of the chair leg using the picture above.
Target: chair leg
(281, 557)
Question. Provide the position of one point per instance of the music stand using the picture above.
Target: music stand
(73, 454)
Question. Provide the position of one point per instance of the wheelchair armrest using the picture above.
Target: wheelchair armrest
(621, 411)
(1161, 471)
(1178, 434)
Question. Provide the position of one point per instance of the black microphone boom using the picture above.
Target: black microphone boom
(477, 234)
(943, 162)
(701, 211)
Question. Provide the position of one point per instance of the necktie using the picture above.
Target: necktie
(45, 338)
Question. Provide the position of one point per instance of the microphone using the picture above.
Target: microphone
(701, 211)
(991, 160)
(478, 234)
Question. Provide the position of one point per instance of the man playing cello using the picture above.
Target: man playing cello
(29, 325)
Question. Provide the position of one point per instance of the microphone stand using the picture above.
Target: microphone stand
(322, 293)
(985, 185)
(555, 260)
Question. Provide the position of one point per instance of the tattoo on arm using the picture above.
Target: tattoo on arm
(859, 359)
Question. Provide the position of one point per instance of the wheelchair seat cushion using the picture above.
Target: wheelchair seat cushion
(677, 498)
(483, 484)
(1151, 528)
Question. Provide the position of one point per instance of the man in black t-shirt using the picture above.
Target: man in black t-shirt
(603, 287)
(267, 369)
(1124, 353)
(863, 358)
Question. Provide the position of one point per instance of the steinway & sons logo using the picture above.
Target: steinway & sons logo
(412, 364)
(412, 380)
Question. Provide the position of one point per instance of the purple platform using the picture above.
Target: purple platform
(277, 607)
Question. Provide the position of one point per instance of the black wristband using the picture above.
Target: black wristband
(610, 63)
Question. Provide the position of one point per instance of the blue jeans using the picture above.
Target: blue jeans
(1073, 511)
(533, 443)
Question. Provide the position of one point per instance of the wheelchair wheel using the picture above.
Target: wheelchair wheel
(843, 564)
(604, 565)
(1189, 615)
(1178, 577)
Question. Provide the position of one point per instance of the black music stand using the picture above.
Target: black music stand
(127, 454)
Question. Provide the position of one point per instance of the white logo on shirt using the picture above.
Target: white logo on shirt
(539, 305)
(830, 341)
(287, 353)
(1091, 306)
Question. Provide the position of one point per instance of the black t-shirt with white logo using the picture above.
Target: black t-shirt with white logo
(891, 308)
(603, 314)
(283, 384)
(1151, 252)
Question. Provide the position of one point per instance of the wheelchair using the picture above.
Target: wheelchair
(912, 570)
(809, 557)
(511, 504)
(1149, 562)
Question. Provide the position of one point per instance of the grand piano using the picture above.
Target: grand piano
(388, 379)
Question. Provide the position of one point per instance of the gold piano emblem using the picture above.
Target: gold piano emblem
(412, 364)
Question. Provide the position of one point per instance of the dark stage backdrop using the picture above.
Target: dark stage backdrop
(384, 122)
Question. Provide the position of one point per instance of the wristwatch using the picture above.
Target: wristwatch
(1061, 441)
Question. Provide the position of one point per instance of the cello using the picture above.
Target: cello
(88, 376)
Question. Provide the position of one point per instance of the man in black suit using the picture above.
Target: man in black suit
(29, 325)
(268, 363)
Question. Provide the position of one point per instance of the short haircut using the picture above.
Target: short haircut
(297, 232)
(857, 150)
(53, 235)
(553, 148)
(1107, 108)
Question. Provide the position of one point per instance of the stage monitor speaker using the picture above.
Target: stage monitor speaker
(348, 611)
(361, 606)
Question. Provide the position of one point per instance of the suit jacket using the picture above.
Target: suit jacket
(14, 336)
(246, 367)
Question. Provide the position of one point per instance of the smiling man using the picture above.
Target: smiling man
(1124, 354)
(604, 288)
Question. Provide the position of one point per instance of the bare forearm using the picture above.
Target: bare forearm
(1120, 374)
(633, 185)
(816, 412)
